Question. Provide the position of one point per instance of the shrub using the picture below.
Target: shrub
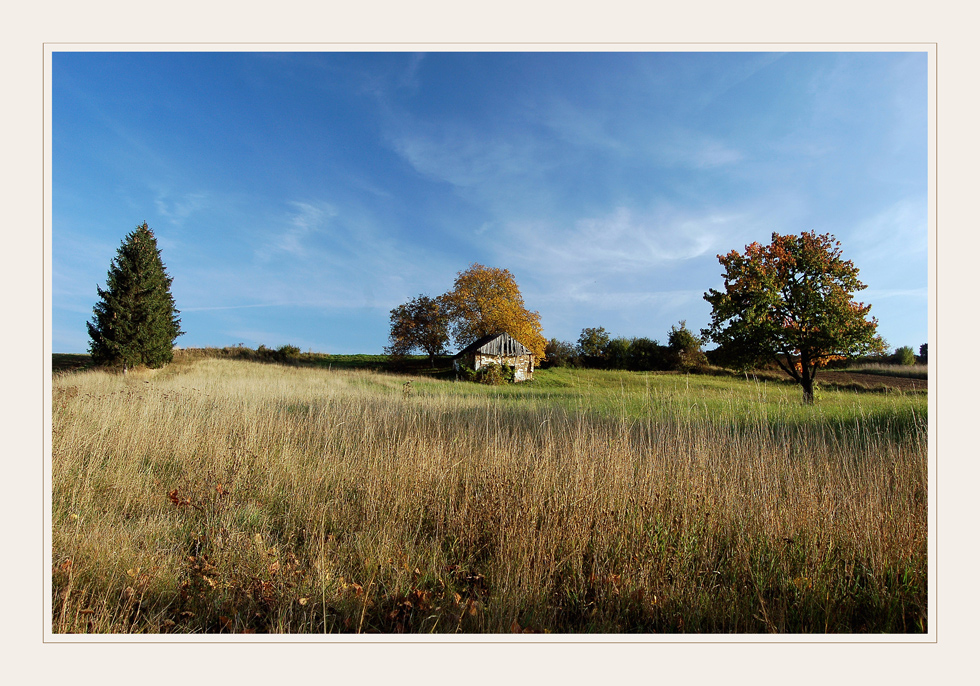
(685, 349)
(288, 352)
(466, 373)
(494, 374)
(905, 356)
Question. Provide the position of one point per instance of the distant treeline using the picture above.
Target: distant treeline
(596, 349)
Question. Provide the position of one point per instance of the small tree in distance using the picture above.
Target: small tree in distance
(135, 321)
(792, 302)
(684, 348)
(905, 356)
(593, 344)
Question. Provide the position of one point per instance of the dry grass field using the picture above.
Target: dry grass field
(228, 496)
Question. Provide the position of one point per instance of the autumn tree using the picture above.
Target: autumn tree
(792, 302)
(487, 300)
(420, 324)
(135, 321)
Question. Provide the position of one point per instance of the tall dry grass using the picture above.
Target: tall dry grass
(224, 496)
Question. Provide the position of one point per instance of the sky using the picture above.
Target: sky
(298, 197)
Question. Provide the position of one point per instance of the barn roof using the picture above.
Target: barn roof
(496, 344)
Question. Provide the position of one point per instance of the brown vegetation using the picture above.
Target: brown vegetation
(227, 496)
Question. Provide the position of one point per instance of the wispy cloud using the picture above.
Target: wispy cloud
(901, 226)
(624, 240)
(317, 255)
(178, 208)
(231, 307)
(583, 127)
(467, 159)
(303, 222)
(687, 148)
(409, 78)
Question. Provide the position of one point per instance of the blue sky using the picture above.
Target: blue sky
(298, 197)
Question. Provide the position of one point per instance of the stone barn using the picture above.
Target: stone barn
(501, 348)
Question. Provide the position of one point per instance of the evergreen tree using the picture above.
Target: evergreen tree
(135, 321)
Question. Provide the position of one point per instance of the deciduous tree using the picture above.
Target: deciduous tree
(135, 320)
(905, 356)
(420, 324)
(684, 348)
(593, 343)
(561, 354)
(487, 300)
(792, 302)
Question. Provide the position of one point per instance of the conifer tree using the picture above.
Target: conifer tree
(135, 321)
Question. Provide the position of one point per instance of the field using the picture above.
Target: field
(236, 496)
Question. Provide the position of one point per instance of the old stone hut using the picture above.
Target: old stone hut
(500, 348)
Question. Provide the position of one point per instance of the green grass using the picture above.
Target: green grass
(653, 395)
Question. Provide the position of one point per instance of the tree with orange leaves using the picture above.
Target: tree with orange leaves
(487, 300)
(792, 302)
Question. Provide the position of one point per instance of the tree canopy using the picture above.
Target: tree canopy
(422, 324)
(791, 302)
(487, 300)
(135, 320)
(592, 343)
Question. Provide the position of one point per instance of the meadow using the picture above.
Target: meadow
(235, 496)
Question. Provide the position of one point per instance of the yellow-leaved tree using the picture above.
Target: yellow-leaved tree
(487, 300)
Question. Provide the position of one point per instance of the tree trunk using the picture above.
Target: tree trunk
(807, 384)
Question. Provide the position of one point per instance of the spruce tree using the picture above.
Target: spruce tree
(135, 321)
